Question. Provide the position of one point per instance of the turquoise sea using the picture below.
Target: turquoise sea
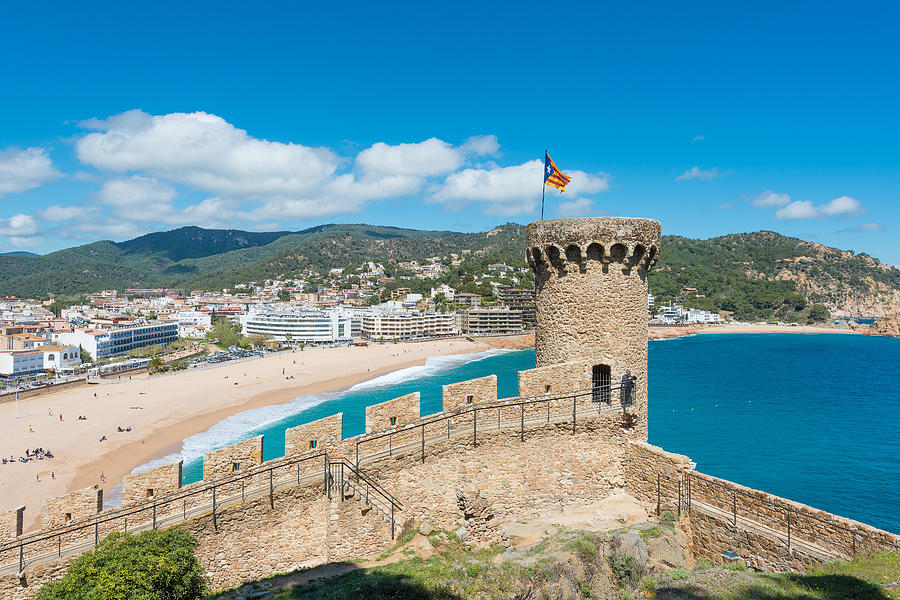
(811, 417)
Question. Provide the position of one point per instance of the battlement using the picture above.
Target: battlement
(562, 243)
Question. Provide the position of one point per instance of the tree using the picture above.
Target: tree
(818, 313)
(284, 295)
(155, 365)
(153, 565)
(85, 355)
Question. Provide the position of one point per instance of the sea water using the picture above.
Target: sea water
(811, 417)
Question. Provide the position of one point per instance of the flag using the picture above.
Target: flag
(553, 176)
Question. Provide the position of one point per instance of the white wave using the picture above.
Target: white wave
(237, 427)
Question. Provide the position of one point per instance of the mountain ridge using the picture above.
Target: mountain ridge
(756, 274)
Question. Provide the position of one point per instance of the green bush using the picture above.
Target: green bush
(678, 574)
(648, 583)
(154, 565)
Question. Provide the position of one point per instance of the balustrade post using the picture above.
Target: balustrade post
(657, 494)
(522, 423)
(59, 545)
(96, 533)
(734, 508)
(423, 443)
(789, 530)
(271, 490)
(679, 497)
(573, 415)
(475, 427)
(22, 555)
(154, 515)
(215, 524)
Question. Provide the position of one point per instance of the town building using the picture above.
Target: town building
(490, 321)
(522, 300)
(309, 326)
(101, 343)
(405, 325)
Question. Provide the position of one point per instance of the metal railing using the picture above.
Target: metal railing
(190, 502)
(343, 474)
(787, 523)
(627, 396)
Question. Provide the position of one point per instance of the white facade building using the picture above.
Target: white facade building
(403, 325)
(299, 325)
(193, 323)
(43, 358)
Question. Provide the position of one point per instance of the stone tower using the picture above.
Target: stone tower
(591, 286)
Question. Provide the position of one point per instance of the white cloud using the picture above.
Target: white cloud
(577, 207)
(18, 225)
(799, 209)
(429, 158)
(481, 145)
(22, 170)
(702, 174)
(509, 191)
(864, 227)
(770, 199)
(844, 206)
(699, 138)
(204, 151)
(25, 242)
(57, 213)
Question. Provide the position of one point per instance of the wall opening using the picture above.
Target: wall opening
(547, 389)
(393, 421)
(601, 376)
(235, 466)
(67, 517)
(469, 399)
(312, 444)
(149, 492)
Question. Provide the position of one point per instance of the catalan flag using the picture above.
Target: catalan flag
(553, 176)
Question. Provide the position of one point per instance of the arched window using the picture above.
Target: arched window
(51, 357)
(65, 355)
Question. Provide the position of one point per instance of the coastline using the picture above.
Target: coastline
(175, 407)
(674, 331)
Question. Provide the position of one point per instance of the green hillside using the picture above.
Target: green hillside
(752, 275)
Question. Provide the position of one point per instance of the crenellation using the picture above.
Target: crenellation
(71, 507)
(11, 524)
(225, 461)
(321, 434)
(393, 413)
(150, 484)
(472, 391)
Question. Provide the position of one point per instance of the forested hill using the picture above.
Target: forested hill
(753, 275)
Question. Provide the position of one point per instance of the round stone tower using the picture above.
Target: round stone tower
(591, 287)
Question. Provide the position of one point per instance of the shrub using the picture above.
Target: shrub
(703, 563)
(154, 565)
(667, 517)
(648, 583)
(678, 574)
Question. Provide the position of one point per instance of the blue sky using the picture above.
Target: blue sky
(126, 118)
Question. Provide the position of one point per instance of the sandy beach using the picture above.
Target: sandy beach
(657, 333)
(164, 410)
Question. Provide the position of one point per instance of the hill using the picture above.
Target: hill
(751, 275)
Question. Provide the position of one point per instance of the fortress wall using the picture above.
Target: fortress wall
(151, 483)
(11, 524)
(74, 506)
(457, 395)
(327, 433)
(404, 409)
(221, 462)
(807, 523)
(643, 462)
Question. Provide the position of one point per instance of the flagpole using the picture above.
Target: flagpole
(543, 185)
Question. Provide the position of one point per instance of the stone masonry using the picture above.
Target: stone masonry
(472, 391)
(11, 524)
(227, 460)
(392, 413)
(146, 485)
(74, 506)
(591, 290)
(323, 434)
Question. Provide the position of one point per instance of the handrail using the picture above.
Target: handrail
(755, 500)
(489, 405)
(368, 479)
(183, 493)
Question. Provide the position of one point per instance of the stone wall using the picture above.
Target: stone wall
(653, 474)
(11, 524)
(473, 391)
(74, 506)
(322, 434)
(403, 410)
(227, 460)
(151, 483)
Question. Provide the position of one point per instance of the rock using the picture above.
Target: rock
(888, 325)
(424, 544)
(427, 528)
(631, 544)
(462, 534)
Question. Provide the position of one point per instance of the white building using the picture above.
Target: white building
(444, 289)
(193, 323)
(299, 325)
(101, 343)
(43, 358)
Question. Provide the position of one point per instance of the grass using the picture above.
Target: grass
(650, 533)
(584, 546)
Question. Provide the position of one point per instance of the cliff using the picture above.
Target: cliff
(888, 325)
